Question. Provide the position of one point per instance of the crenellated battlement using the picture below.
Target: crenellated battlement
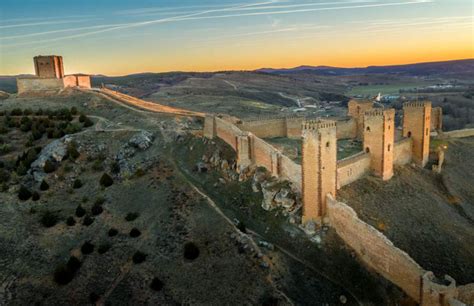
(318, 124)
(416, 104)
(374, 113)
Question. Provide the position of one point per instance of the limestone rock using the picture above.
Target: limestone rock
(4, 95)
(268, 197)
(201, 167)
(283, 198)
(55, 152)
(143, 140)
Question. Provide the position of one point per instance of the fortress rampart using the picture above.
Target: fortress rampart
(50, 77)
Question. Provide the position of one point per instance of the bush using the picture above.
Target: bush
(88, 123)
(97, 209)
(87, 248)
(24, 193)
(241, 226)
(77, 184)
(139, 257)
(106, 180)
(191, 251)
(72, 150)
(97, 165)
(73, 111)
(63, 275)
(44, 185)
(88, 220)
(49, 166)
(93, 297)
(70, 221)
(35, 196)
(5, 148)
(80, 211)
(4, 176)
(49, 219)
(135, 232)
(82, 118)
(103, 248)
(131, 216)
(73, 263)
(156, 284)
(112, 232)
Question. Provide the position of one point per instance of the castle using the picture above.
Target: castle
(50, 77)
(320, 173)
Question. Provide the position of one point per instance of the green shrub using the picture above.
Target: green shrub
(94, 297)
(73, 111)
(70, 221)
(112, 232)
(74, 263)
(241, 226)
(35, 196)
(88, 220)
(139, 257)
(103, 248)
(49, 166)
(82, 118)
(16, 112)
(191, 251)
(106, 180)
(72, 151)
(80, 211)
(87, 248)
(77, 184)
(98, 165)
(63, 275)
(99, 201)
(49, 219)
(44, 185)
(135, 232)
(88, 123)
(156, 284)
(5, 148)
(21, 169)
(96, 209)
(131, 216)
(4, 176)
(24, 193)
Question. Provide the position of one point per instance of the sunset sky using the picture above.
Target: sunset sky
(117, 37)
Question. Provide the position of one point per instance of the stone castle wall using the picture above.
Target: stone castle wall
(352, 168)
(50, 66)
(458, 133)
(291, 127)
(402, 153)
(436, 119)
(35, 85)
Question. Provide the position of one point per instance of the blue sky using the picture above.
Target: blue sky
(120, 37)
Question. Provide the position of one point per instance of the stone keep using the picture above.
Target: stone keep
(319, 166)
(379, 134)
(417, 125)
(50, 66)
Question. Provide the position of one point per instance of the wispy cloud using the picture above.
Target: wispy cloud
(267, 8)
(40, 23)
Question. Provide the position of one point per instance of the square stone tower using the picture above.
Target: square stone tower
(379, 136)
(356, 109)
(319, 167)
(50, 66)
(417, 124)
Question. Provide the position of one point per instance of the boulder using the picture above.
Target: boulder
(143, 140)
(284, 198)
(55, 152)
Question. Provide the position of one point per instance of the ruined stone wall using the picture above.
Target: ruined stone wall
(264, 155)
(84, 81)
(352, 168)
(375, 250)
(35, 85)
(70, 81)
(402, 153)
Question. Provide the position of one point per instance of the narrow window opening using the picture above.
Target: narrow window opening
(368, 129)
(367, 150)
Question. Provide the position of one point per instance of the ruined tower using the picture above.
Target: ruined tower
(417, 124)
(356, 109)
(50, 66)
(319, 166)
(379, 134)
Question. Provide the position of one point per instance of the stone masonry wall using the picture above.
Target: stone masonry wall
(352, 168)
(227, 132)
(265, 128)
(402, 153)
(346, 129)
(31, 85)
(375, 250)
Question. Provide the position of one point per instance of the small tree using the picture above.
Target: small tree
(97, 209)
(106, 180)
(24, 193)
(49, 166)
(35, 196)
(156, 284)
(44, 185)
(139, 257)
(70, 221)
(135, 232)
(49, 219)
(88, 220)
(112, 232)
(80, 211)
(77, 184)
(87, 248)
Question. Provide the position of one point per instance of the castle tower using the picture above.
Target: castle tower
(50, 66)
(319, 166)
(379, 134)
(356, 109)
(417, 124)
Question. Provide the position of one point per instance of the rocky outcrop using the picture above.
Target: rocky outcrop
(143, 140)
(54, 152)
(4, 95)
